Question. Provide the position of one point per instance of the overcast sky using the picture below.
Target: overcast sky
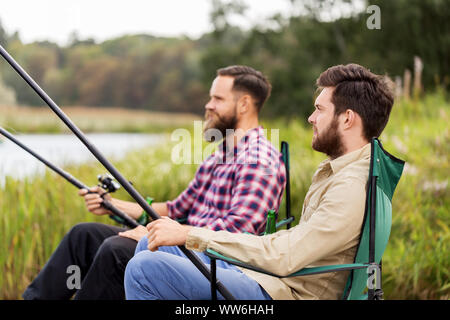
(54, 20)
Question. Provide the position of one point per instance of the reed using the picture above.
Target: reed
(37, 212)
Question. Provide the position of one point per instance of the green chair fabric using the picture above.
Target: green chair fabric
(384, 174)
(286, 159)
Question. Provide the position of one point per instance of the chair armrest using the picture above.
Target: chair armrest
(330, 268)
(303, 272)
(278, 225)
(182, 220)
(284, 222)
(215, 255)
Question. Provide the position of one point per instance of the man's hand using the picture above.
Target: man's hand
(93, 201)
(136, 234)
(166, 232)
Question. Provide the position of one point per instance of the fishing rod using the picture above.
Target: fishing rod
(114, 172)
(105, 182)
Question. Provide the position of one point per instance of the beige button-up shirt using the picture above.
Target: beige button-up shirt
(327, 234)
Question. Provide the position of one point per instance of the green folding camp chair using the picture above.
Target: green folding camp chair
(271, 221)
(384, 174)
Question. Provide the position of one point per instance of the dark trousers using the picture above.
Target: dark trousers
(101, 256)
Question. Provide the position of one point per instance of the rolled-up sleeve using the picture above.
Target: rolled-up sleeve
(180, 207)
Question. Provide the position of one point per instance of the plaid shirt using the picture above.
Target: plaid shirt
(233, 189)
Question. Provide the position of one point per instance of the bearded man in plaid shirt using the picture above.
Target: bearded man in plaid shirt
(232, 190)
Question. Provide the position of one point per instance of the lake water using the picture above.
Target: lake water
(64, 149)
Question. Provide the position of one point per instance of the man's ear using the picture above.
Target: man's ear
(349, 119)
(244, 103)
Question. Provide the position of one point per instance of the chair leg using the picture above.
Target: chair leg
(213, 280)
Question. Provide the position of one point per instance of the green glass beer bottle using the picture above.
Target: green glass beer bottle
(271, 222)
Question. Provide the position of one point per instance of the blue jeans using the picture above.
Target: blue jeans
(168, 275)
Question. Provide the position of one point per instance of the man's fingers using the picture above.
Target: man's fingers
(151, 237)
(157, 233)
(135, 234)
(93, 192)
(92, 201)
(127, 234)
(152, 224)
(82, 192)
(99, 211)
(151, 232)
(153, 242)
(96, 203)
(95, 189)
(152, 245)
(93, 206)
(90, 196)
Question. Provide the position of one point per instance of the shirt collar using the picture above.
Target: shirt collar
(342, 161)
(250, 136)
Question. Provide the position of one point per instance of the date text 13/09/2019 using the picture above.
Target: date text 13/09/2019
(228, 309)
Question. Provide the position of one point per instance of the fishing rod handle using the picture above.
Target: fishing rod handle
(127, 220)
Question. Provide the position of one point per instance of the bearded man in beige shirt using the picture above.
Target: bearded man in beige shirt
(353, 106)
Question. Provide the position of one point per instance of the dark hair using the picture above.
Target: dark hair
(249, 80)
(358, 89)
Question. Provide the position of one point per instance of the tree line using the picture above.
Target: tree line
(174, 74)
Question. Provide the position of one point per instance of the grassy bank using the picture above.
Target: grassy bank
(37, 213)
(90, 119)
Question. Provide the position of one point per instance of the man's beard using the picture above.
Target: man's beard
(330, 141)
(218, 123)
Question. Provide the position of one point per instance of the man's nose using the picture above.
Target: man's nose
(311, 118)
(209, 106)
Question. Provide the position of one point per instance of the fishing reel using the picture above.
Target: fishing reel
(108, 183)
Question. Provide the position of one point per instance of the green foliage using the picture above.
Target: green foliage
(296, 51)
(418, 254)
(174, 74)
(36, 213)
(3, 35)
(7, 95)
(140, 72)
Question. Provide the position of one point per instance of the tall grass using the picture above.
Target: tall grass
(417, 259)
(36, 213)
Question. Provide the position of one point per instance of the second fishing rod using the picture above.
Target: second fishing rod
(105, 181)
(109, 166)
